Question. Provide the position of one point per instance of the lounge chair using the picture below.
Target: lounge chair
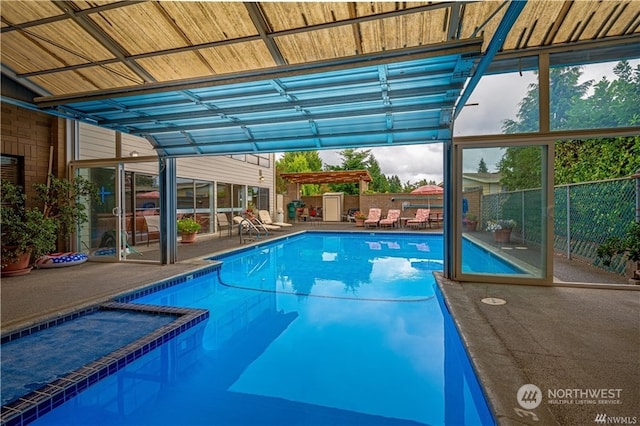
(222, 222)
(265, 218)
(247, 227)
(373, 219)
(391, 220)
(260, 226)
(421, 220)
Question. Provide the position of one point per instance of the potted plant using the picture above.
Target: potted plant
(35, 230)
(501, 229)
(470, 222)
(188, 228)
(627, 245)
(250, 212)
(360, 218)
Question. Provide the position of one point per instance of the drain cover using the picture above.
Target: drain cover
(493, 301)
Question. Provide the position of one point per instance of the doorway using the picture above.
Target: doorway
(117, 229)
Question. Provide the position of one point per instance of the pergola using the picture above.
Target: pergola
(362, 177)
(337, 176)
(223, 78)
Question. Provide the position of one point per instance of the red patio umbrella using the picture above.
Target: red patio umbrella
(428, 190)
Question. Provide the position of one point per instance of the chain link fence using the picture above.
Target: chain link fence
(586, 214)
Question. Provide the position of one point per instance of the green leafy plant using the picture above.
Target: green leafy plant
(188, 226)
(36, 229)
(627, 245)
(359, 215)
(23, 229)
(60, 200)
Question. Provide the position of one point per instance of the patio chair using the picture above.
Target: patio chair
(373, 219)
(304, 216)
(265, 218)
(421, 220)
(222, 222)
(153, 227)
(350, 216)
(393, 215)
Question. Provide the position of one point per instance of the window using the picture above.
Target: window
(12, 169)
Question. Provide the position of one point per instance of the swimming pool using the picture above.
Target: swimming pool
(323, 328)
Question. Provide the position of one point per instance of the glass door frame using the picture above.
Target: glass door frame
(120, 207)
(547, 179)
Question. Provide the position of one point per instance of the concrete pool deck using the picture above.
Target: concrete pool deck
(565, 340)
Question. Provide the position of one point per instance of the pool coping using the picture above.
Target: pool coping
(493, 364)
(29, 407)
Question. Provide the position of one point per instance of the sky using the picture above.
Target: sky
(497, 98)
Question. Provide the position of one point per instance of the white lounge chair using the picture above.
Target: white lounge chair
(265, 218)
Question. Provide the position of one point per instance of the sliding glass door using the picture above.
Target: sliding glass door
(118, 229)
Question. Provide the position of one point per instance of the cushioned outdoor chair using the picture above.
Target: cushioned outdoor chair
(261, 225)
(421, 220)
(245, 226)
(393, 216)
(265, 218)
(152, 223)
(373, 219)
(223, 222)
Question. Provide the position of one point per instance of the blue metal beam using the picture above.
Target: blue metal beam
(510, 16)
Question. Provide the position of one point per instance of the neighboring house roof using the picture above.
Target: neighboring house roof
(483, 177)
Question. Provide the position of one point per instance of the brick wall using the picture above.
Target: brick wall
(30, 134)
(394, 201)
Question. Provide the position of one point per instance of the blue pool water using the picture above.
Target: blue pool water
(317, 329)
(93, 335)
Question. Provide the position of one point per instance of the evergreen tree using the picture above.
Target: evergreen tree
(379, 181)
(482, 166)
(612, 104)
(395, 185)
(596, 159)
(352, 159)
(565, 95)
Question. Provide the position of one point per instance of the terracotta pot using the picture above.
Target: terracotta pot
(471, 225)
(360, 223)
(188, 237)
(502, 235)
(20, 267)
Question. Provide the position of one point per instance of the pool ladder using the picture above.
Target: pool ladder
(249, 231)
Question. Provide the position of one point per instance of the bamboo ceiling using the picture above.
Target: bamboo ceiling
(66, 47)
